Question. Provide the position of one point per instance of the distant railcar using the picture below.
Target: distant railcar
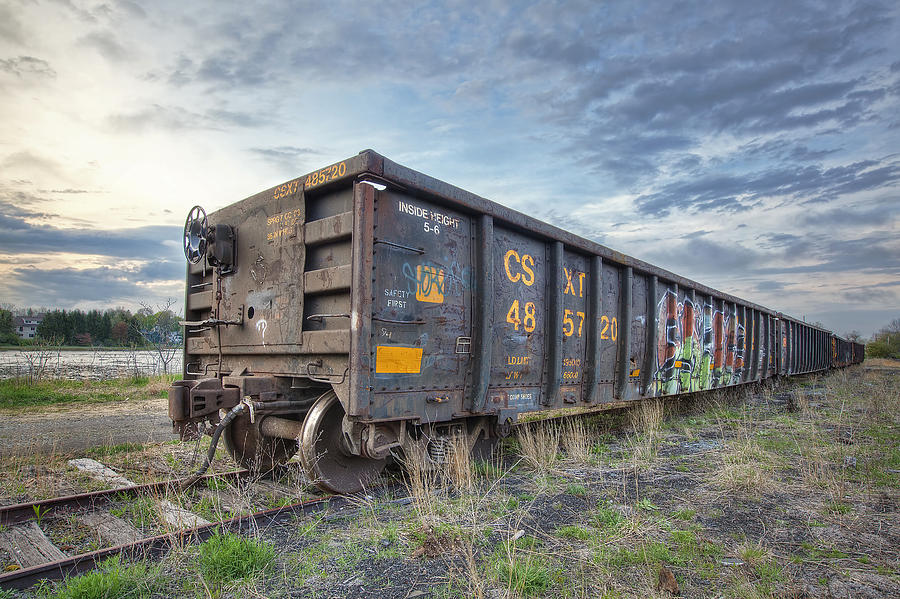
(366, 309)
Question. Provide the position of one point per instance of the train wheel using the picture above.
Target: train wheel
(323, 454)
(252, 450)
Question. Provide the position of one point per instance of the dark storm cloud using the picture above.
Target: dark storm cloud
(672, 74)
(17, 235)
(738, 192)
(723, 256)
(422, 42)
(883, 296)
(770, 286)
(876, 252)
(109, 285)
(870, 214)
(25, 66)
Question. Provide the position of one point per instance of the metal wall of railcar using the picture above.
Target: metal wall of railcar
(559, 327)
(501, 314)
(292, 261)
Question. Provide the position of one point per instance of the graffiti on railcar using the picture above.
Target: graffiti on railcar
(698, 348)
(430, 281)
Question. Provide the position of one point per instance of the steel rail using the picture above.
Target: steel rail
(23, 512)
(155, 546)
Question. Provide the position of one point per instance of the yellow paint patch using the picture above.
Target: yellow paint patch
(430, 284)
(636, 372)
(677, 364)
(398, 360)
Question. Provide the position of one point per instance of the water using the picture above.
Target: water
(87, 364)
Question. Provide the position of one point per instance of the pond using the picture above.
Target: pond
(88, 364)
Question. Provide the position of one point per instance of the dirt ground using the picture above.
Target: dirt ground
(773, 493)
(73, 428)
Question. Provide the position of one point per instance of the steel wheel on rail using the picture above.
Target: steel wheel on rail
(323, 453)
(254, 451)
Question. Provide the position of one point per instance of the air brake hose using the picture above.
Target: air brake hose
(231, 415)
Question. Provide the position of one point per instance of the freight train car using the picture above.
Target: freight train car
(366, 309)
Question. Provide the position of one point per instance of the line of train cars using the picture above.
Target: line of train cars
(365, 310)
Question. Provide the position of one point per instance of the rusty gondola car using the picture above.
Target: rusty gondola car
(366, 309)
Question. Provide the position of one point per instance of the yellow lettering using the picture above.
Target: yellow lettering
(512, 317)
(530, 279)
(509, 275)
(569, 284)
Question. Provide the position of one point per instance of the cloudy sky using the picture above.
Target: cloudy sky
(752, 146)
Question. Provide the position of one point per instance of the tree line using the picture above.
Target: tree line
(886, 342)
(115, 327)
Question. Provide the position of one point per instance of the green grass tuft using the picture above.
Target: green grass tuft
(225, 557)
(112, 579)
(574, 532)
(524, 575)
(606, 517)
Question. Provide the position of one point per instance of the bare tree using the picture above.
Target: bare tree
(38, 358)
(161, 330)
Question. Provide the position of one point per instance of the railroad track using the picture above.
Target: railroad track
(38, 558)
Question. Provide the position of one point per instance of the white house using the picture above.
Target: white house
(26, 326)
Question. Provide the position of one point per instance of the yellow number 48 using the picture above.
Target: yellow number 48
(530, 321)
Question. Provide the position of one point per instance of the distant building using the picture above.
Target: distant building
(26, 326)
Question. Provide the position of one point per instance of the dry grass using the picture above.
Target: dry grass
(539, 445)
(646, 417)
(576, 438)
(882, 363)
(645, 420)
(745, 468)
(757, 483)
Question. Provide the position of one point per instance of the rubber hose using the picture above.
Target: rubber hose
(231, 415)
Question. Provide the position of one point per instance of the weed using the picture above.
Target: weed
(646, 505)
(225, 557)
(685, 514)
(141, 511)
(112, 578)
(38, 513)
(653, 553)
(108, 450)
(577, 490)
(838, 507)
(487, 469)
(574, 532)
(606, 517)
(524, 574)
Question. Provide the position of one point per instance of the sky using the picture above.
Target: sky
(751, 146)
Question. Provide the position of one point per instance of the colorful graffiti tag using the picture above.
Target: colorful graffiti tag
(697, 349)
